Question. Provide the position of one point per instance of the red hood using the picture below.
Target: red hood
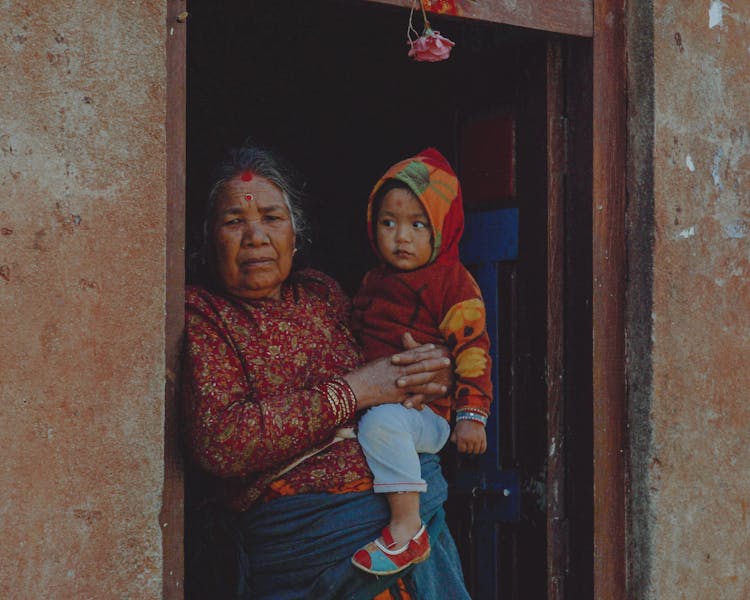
(432, 180)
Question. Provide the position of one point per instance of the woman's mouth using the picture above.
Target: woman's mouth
(254, 262)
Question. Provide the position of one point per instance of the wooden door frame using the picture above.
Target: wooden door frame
(604, 22)
(557, 543)
(172, 515)
(609, 276)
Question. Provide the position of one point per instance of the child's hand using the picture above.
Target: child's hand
(470, 437)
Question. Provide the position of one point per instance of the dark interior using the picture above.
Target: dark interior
(329, 85)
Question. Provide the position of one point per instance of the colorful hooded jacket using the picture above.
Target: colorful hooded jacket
(439, 302)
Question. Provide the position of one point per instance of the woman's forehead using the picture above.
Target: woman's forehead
(258, 190)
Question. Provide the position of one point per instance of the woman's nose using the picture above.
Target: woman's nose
(254, 234)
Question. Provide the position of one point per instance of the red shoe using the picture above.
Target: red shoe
(383, 559)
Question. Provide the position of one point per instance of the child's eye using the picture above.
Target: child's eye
(387, 222)
(419, 224)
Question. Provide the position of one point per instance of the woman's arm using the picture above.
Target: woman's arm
(231, 431)
(234, 433)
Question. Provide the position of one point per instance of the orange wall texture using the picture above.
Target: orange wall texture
(82, 290)
(692, 419)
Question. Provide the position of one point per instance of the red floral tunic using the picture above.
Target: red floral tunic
(257, 379)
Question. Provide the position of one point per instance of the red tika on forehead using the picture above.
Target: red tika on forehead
(246, 175)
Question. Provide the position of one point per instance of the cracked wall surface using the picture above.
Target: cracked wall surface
(694, 488)
(82, 282)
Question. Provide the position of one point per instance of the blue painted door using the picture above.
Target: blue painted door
(485, 491)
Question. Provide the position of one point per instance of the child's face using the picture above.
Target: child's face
(403, 231)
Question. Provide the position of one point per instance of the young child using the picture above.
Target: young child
(415, 220)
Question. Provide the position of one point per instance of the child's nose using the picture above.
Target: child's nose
(403, 233)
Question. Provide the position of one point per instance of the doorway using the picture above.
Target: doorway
(329, 85)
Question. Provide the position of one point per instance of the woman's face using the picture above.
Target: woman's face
(253, 238)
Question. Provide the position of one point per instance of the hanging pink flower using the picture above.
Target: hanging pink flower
(430, 47)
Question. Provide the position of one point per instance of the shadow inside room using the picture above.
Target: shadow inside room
(329, 85)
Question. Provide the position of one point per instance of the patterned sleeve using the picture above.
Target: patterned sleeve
(464, 329)
(230, 432)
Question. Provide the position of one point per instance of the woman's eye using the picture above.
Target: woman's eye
(231, 222)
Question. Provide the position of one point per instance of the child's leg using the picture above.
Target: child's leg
(405, 519)
(391, 437)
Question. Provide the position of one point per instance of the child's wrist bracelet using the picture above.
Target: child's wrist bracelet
(471, 416)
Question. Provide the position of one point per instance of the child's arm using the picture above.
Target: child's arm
(470, 437)
(464, 329)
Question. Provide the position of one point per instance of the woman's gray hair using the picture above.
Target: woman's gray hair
(262, 162)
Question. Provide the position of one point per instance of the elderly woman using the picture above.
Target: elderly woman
(272, 386)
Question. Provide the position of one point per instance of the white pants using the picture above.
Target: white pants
(392, 436)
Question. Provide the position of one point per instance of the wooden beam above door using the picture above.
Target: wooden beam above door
(573, 17)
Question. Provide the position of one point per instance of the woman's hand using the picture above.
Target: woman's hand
(429, 372)
(417, 375)
(375, 383)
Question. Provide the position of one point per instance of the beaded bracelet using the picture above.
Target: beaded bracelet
(340, 398)
(469, 415)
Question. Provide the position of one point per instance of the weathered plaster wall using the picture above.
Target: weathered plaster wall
(82, 244)
(696, 476)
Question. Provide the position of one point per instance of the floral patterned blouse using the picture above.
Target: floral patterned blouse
(261, 386)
